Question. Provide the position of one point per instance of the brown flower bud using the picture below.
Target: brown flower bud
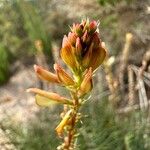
(45, 75)
(63, 77)
(97, 58)
(78, 47)
(66, 43)
(96, 40)
(86, 85)
(72, 38)
(67, 54)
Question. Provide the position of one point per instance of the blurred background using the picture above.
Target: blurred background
(31, 32)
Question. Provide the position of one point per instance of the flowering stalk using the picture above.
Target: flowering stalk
(83, 52)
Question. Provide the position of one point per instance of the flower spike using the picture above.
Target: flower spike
(83, 52)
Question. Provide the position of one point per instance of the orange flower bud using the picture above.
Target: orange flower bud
(78, 47)
(66, 43)
(63, 77)
(45, 75)
(97, 58)
(72, 38)
(59, 129)
(93, 26)
(86, 85)
(67, 54)
(52, 96)
(96, 40)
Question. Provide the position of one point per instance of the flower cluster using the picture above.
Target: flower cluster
(83, 52)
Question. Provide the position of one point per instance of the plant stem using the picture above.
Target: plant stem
(72, 130)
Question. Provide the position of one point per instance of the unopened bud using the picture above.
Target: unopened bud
(79, 29)
(72, 38)
(86, 85)
(67, 54)
(78, 47)
(63, 77)
(97, 58)
(92, 26)
(45, 75)
(66, 43)
(96, 40)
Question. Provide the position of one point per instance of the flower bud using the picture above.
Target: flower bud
(63, 77)
(45, 75)
(96, 40)
(92, 26)
(59, 129)
(78, 29)
(51, 96)
(66, 43)
(86, 85)
(78, 47)
(67, 54)
(97, 58)
(72, 38)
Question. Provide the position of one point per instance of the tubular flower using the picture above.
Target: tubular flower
(82, 48)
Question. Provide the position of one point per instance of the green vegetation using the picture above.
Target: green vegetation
(102, 129)
(4, 65)
(111, 2)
